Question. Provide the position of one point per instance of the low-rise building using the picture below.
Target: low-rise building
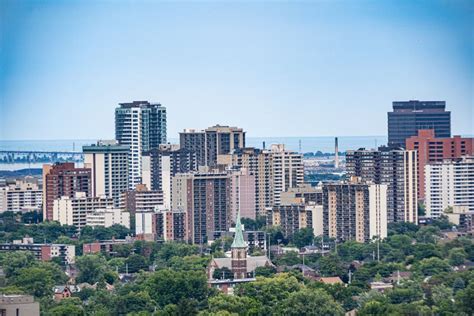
(16, 305)
(43, 252)
(108, 217)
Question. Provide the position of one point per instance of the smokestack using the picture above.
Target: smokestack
(336, 156)
(263, 144)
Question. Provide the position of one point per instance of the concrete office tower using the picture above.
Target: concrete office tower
(141, 199)
(242, 194)
(288, 170)
(348, 213)
(63, 179)
(212, 142)
(141, 126)
(24, 195)
(410, 116)
(395, 167)
(74, 210)
(108, 162)
(336, 153)
(449, 184)
(164, 163)
(433, 149)
(259, 163)
(205, 197)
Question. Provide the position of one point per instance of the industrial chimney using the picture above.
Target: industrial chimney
(336, 156)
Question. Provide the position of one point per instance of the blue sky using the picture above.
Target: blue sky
(313, 68)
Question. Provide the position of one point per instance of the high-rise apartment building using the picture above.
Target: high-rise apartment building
(163, 163)
(449, 184)
(354, 211)
(290, 218)
(258, 163)
(141, 125)
(395, 167)
(108, 162)
(410, 116)
(63, 179)
(212, 142)
(206, 200)
(288, 170)
(433, 149)
(242, 193)
(141, 199)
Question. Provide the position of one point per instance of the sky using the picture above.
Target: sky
(312, 68)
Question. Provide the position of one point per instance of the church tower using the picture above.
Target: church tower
(239, 252)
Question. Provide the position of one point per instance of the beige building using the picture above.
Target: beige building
(108, 217)
(24, 195)
(18, 305)
(355, 211)
(73, 211)
(108, 162)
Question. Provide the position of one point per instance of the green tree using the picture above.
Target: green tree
(169, 287)
(309, 302)
(136, 263)
(67, 307)
(464, 299)
(35, 281)
(265, 271)
(134, 302)
(91, 268)
(432, 266)
(303, 237)
(288, 259)
(241, 305)
(331, 265)
(222, 273)
(457, 256)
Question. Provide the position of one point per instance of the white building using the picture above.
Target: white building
(108, 162)
(378, 210)
(108, 217)
(142, 126)
(288, 170)
(449, 183)
(73, 211)
(24, 195)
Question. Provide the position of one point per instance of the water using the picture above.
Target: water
(308, 144)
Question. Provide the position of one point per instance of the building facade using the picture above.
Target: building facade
(290, 218)
(396, 168)
(108, 162)
(63, 179)
(141, 199)
(141, 125)
(164, 163)
(353, 211)
(43, 252)
(74, 211)
(432, 149)
(163, 225)
(449, 184)
(24, 195)
(108, 217)
(205, 198)
(212, 142)
(408, 117)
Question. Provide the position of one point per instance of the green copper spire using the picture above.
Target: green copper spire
(239, 237)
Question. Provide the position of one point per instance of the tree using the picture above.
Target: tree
(458, 284)
(457, 256)
(406, 293)
(222, 273)
(241, 305)
(331, 266)
(303, 237)
(67, 307)
(35, 281)
(432, 266)
(134, 302)
(136, 263)
(169, 287)
(288, 259)
(91, 268)
(12, 262)
(464, 299)
(265, 271)
(428, 234)
(172, 249)
(309, 302)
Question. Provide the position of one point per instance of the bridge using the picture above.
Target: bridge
(9, 156)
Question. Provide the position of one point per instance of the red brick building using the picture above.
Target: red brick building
(432, 149)
(63, 179)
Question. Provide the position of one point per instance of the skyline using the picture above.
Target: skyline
(71, 63)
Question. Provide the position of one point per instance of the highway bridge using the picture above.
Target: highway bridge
(9, 156)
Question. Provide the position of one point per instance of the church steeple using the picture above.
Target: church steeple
(239, 251)
(239, 236)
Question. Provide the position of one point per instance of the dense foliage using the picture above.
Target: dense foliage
(171, 278)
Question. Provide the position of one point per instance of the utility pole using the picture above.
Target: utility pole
(350, 276)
